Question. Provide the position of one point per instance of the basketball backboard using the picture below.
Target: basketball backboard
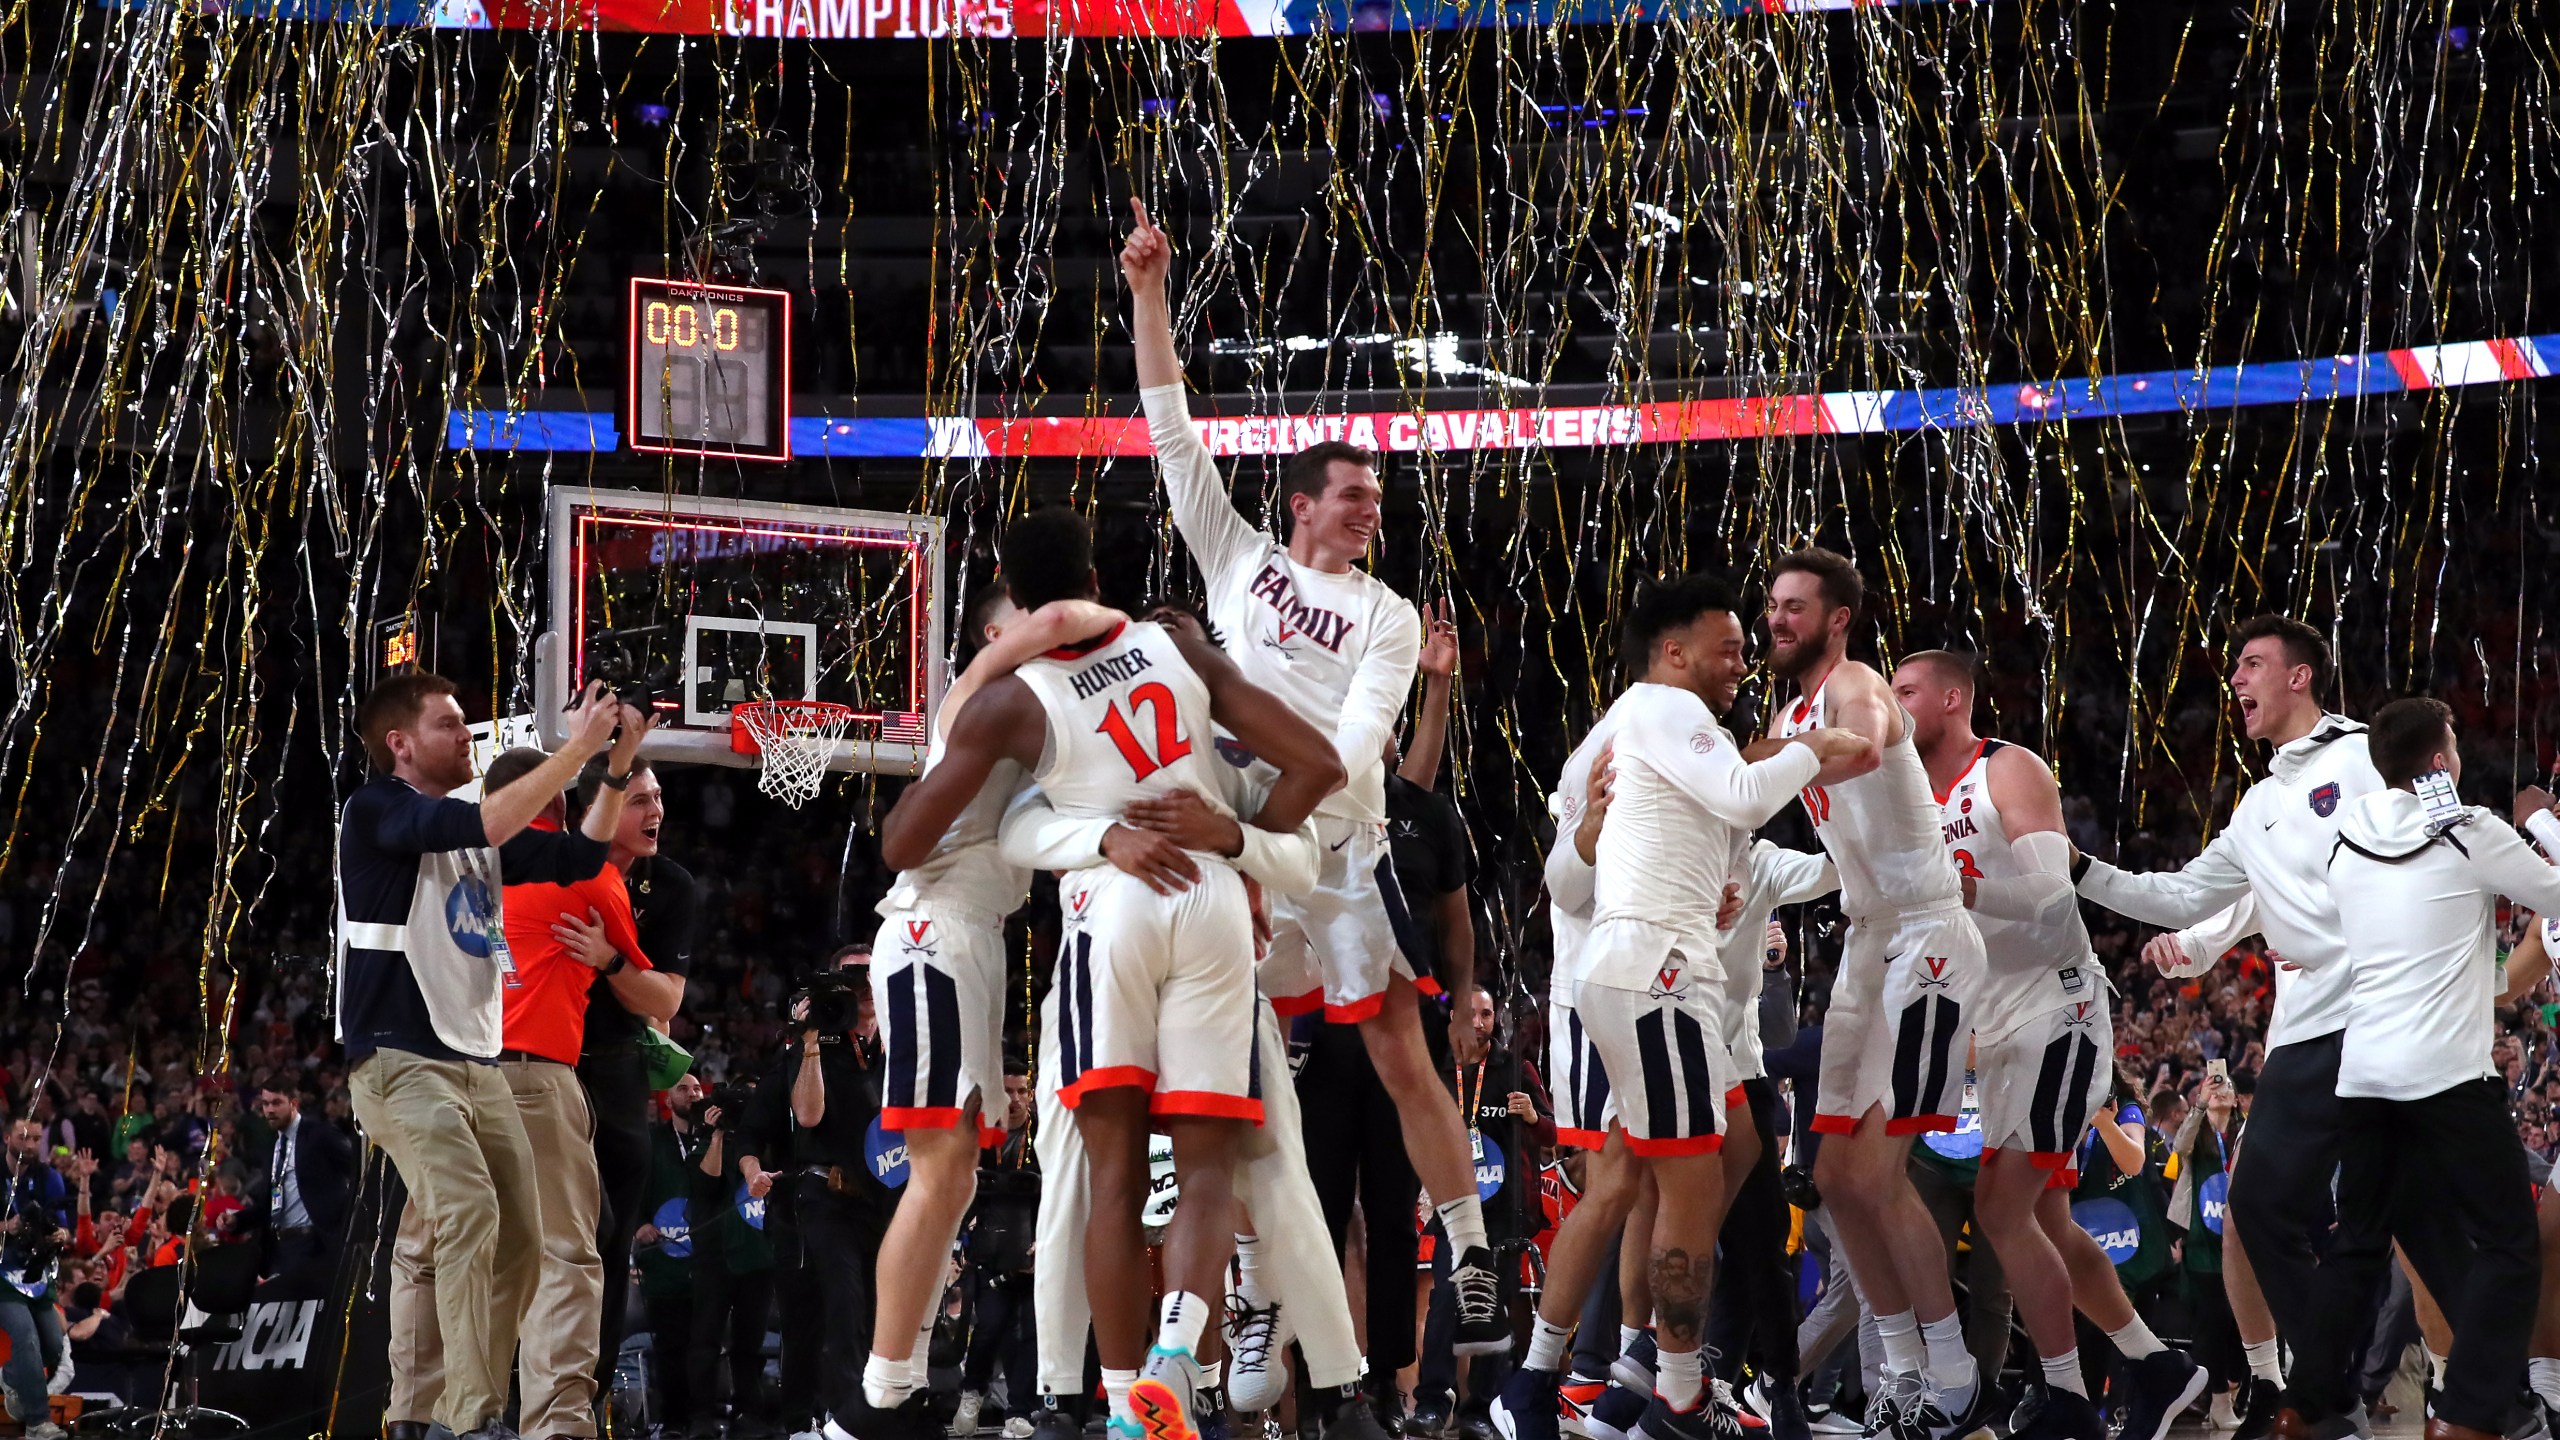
(711, 603)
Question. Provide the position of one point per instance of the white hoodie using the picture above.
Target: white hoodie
(2277, 846)
(2420, 910)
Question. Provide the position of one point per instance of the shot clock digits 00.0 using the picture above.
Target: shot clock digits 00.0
(710, 370)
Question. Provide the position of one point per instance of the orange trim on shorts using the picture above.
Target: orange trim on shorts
(1206, 1102)
(1908, 1125)
(1428, 986)
(1585, 1139)
(1688, 1145)
(1356, 1011)
(1107, 1077)
(919, 1117)
(2041, 1159)
(1736, 1096)
(1291, 1006)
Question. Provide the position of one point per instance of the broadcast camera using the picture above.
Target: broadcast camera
(831, 1002)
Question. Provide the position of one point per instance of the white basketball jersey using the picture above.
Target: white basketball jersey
(1570, 798)
(964, 869)
(1128, 718)
(1880, 828)
(2033, 968)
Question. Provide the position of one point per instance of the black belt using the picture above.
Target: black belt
(294, 1232)
(526, 1057)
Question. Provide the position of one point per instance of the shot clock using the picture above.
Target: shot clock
(710, 370)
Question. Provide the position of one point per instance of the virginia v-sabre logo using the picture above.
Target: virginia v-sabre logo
(1293, 618)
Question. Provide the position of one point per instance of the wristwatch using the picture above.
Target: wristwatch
(620, 962)
(618, 782)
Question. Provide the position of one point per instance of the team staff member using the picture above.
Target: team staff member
(423, 957)
(812, 1113)
(665, 1255)
(2276, 849)
(2428, 1153)
(612, 1066)
(310, 1184)
(563, 937)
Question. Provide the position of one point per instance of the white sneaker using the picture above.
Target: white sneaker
(1837, 1422)
(1258, 1339)
(2224, 1412)
(1017, 1428)
(47, 1430)
(964, 1421)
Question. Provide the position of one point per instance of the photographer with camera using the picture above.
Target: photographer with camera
(732, 1262)
(32, 1238)
(812, 1115)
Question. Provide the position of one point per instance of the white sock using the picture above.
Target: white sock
(1900, 1336)
(1463, 1221)
(1184, 1319)
(1546, 1344)
(1115, 1388)
(2263, 1364)
(1212, 1373)
(1680, 1379)
(1628, 1335)
(887, 1383)
(1248, 1272)
(2435, 1369)
(2062, 1372)
(920, 1359)
(1950, 1366)
(2136, 1340)
(2543, 1373)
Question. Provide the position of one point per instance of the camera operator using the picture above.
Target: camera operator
(32, 1238)
(613, 1064)
(732, 1264)
(813, 1114)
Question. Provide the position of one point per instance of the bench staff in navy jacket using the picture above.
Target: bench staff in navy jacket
(422, 964)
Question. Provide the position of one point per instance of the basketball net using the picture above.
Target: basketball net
(796, 739)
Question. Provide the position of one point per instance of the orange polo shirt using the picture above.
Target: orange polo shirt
(547, 996)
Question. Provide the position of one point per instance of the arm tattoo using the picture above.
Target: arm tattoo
(1679, 1297)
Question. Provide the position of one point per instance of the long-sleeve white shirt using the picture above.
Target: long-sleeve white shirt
(1569, 876)
(2277, 845)
(1036, 836)
(1338, 649)
(2420, 912)
(1682, 790)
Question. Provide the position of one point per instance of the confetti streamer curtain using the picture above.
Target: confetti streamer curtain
(254, 262)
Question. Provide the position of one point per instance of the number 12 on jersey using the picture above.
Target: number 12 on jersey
(1170, 744)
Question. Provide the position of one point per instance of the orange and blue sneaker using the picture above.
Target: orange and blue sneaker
(1575, 1397)
(1166, 1395)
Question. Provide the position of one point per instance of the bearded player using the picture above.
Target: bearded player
(1651, 999)
(1338, 647)
(2043, 1048)
(1894, 1038)
(1160, 987)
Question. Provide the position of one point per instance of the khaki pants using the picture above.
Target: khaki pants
(465, 1263)
(563, 1327)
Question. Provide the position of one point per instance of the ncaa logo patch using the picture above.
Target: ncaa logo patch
(2324, 801)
